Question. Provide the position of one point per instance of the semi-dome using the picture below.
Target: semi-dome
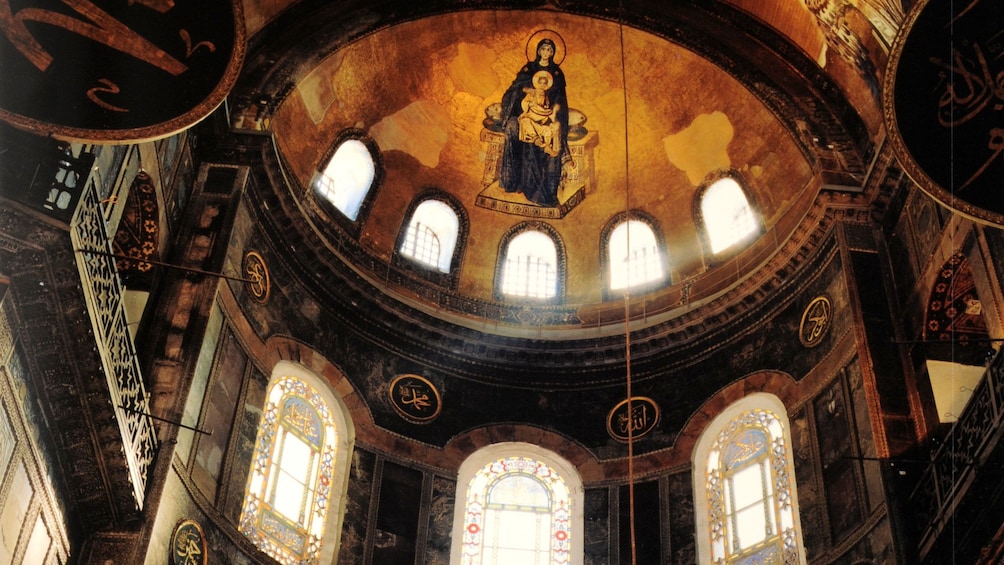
(655, 277)
(658, 111)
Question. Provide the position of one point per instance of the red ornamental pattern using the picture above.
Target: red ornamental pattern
(558, 496)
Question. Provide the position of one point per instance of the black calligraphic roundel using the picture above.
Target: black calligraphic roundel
(114, 71)
(188, 544)
(633, 418)
(944, 104)
(415, 398)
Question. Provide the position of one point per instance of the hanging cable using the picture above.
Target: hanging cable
(627, 294)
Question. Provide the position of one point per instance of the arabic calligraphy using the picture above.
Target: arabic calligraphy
(415, 398)
(970, 85)
(626, 423)
(276, 528)
(109, 87)
(189, 546)
(815, 321)
(746, 445)
(104, 29)
(410, 394)
(996, 146)
(255, 271)
(943, 104)
(189, 48)
(297, 414)
(116, 64)
(632, 421)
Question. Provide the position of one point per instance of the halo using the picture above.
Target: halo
(559, 45)
(545, 74)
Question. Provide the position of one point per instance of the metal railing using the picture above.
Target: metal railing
(954, 465)
(103, 293)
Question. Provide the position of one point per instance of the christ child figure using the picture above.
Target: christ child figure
(536, 124)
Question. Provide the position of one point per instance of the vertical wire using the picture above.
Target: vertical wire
(951, 177)
(627, 297)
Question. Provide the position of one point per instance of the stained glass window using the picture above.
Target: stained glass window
(531, 266)
(290, 486)
(727, 215)
(747, 486)
(347, 178)
(518, 509)
(432, 235)
(634, 255)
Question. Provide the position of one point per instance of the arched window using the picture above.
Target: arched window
(299, 471)
(521, 504)
(726, 213)
(744, 486)
(530, 267)
(431, 236)
(634, 255)
(348, 177)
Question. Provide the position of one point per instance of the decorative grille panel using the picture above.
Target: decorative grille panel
(104, 298)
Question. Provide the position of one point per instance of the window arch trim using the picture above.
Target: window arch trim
(660, 241)
(713, 258)
(757, 410)
(560, 255)
(448, 280)
(353, 227)
(485, 456)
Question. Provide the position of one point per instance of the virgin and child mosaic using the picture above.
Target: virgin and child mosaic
(536, 143)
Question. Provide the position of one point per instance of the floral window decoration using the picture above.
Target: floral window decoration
(518, 510)
(289, 490)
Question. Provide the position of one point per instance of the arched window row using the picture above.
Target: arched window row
(633, 254)
(516, 502)
(434, 232)
(635, 257)
(348, 179)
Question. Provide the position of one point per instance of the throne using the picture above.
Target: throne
(576, 181)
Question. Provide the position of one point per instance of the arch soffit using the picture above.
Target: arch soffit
(288, 353)
(777, 383)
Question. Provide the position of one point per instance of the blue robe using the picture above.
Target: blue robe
(526, 168)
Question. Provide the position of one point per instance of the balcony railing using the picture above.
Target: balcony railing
(955, 464)
(104, 294)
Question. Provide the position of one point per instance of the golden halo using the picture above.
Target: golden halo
(546, 75)
(559, 45)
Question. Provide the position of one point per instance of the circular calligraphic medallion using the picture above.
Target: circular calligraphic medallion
(942, 103)
(415, 398)
(188, 544)
(815, 321)
(260, 283)
(113, 71)
(634, 422)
